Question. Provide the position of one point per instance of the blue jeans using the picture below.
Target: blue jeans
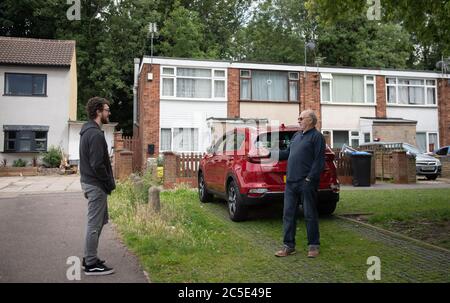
(306, 192)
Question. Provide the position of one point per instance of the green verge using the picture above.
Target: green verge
(423, 214)
(192, 242)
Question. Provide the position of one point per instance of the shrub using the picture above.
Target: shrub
(52, 158)
(19, 163)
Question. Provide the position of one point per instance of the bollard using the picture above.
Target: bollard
(153, 198)
(152, 167)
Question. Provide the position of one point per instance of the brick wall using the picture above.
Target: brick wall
(310, 94)
(233, 93)
(123, 159)
(172, 172)
(381, 97)
(444, 111)
(124, 165)
(395, 132)
(148, 111)
(401, 171)
(445, 161)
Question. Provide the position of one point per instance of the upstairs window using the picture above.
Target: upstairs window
(275, 86)
(338, 88)
(405, 91)
(193, 83)
(17, 84)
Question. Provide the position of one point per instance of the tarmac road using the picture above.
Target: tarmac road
(38, 232)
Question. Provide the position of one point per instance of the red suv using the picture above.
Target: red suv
(235, 170)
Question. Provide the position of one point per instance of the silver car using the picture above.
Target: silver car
(426, 165)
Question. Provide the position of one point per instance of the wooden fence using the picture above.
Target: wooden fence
(131, 144)
(188, 165)
(181, 168)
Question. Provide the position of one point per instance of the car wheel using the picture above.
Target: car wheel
(236, 209)
(432, 177)
(203, 194)
(326, 208)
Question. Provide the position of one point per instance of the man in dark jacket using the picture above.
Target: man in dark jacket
(97, 181)
(306, 160)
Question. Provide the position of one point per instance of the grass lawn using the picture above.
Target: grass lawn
(422, 214)
(193, 242)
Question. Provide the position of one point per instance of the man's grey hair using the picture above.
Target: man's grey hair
(312, 115)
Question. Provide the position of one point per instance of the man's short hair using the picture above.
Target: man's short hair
(313, 116)
(93, 105)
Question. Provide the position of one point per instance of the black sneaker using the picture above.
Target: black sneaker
(98, 269)
(83, 265)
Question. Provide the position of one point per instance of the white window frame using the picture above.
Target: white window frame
(171, 140)
(362, 138)
(328, 78)
(428, 140)
(212, 78)
(371, 82)
(295, 76)
(289, 79)
(350, 136)
(425, 86)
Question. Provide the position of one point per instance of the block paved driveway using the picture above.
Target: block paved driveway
(42, 223)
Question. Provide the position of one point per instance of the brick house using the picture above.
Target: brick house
(175, 97)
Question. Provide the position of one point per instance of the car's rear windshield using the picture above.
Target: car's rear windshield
(274, 140)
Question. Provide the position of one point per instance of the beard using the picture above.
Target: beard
(104, 120)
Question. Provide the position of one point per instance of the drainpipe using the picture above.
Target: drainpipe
(137, 61)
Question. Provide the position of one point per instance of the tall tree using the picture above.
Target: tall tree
(426, 21)
(360, 43)
(183, 35)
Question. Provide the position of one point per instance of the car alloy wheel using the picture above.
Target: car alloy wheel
(232, 200)
(201, 186)
(203, 193)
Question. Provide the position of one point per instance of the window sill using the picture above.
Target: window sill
(22, 152)
(266, 101)
(412, 105)
(349, 104)
(8, 95)
(162, 98)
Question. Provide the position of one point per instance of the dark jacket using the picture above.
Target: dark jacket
(305, 155)
(95, 166)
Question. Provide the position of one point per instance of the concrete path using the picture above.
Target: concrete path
(40, 231)
(11, 186)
